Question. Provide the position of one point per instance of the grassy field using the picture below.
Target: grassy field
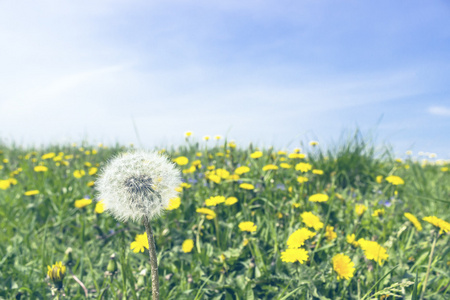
(355, 192)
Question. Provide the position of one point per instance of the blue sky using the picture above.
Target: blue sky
(269, 72)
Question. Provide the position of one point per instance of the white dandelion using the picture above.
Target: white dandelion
(138, 186)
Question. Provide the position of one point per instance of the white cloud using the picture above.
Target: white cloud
(439, 110)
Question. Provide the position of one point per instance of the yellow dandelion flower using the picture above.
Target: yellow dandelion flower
(378, 212)
(174, 203)
(181, 160)
(99, 207)
(256, 154)
(373, 251)
(82, 203)
(234, 177)
(93, 171)
(444, 169)
(213, 201)
(343, 266)
(210, 214)
(414, 220)
(217, 137)
(285, 166)
(88, 164)
(443, 225)
(31, 193)
(247, 186)
(48, 155)
(13, 181)
(296, 155)
(317, 172)
(293, 255)
(247, 226)
(269, 167)
(303, 167)
(140, 243)
(4, 184)
(360, 209)
(297, 238)
(311, 221)
(187, 246)
(190, 170)
(214, 178)
(79, 173)
(395, 180)
(330, 234)
(224, 174)
(241, 170)
(231, 200)
(188, 133)
(90, 183)
(56, 273)
(318, 198)
(351, 239)
(313, 143)
(302, 179)
(40, 169)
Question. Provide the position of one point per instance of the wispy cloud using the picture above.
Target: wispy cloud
(439, 110)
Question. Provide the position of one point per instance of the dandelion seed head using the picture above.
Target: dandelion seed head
(138, 184)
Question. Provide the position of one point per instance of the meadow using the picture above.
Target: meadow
(350, 222)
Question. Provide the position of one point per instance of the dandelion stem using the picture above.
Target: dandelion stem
(153, 259)
(429, 266)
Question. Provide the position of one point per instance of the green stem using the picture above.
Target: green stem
(429, 266)
(153, 259)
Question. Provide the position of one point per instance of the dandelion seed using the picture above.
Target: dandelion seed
(343, 266)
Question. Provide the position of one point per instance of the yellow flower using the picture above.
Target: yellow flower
(210, 214)
(312, 221)
(302, 179)
(285, 166)
(40, 169)
(82, 203)
(214, 178)
(90, 183)
(48, 155)
(318, 172)
(414, 220)
(256, 154)
(247, 226)
(206, 137)
(351, 239)
(13, 181)
(88, 164)
(187, 245)
(190, 170)
(303, 167)
(224, 174)
(247, 186)
(231, 200)
(329, 233)
(185, 185)
(57, 158)
(174, 203)
(5, 160)
(343, 266)
(313, 143)
(188, 133)
(296, 155)
(373, 251)
(4, 184)
(379, 179)
(360, 209)
(318, 198)
(378, 212)
(245, 242)
(31, 193)
(217, 137)
(297, 238)
(79, 173)
(242, 170)
(444, 169)
(213, 201)
(198, 154)
(395, 180)
(140, 243)
(293, 255)
(56, 273)
(181, 160)
(92, 170)
(234, 177)
(99, 207)
(443, 225)
(269, 167)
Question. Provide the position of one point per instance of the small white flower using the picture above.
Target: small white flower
(138, 184)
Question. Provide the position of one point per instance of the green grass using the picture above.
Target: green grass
(36, 230)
